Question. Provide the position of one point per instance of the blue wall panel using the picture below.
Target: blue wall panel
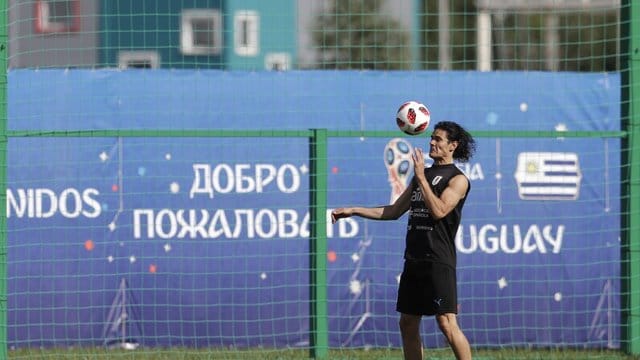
(533, 269)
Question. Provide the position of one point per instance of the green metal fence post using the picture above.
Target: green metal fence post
(3, 177)
(631, 178)
(319, 346)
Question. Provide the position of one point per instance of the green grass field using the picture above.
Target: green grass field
(377, 354)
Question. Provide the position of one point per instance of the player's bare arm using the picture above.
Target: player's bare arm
(455, 191)
(386, 212)
(443, 205)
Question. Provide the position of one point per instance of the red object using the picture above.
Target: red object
(89, 245)
(43, 18)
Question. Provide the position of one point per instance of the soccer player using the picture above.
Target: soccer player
(434, 199)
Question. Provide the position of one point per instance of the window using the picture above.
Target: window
(138, 60)
(57, 16)
(201, 32)
(277, 61)
(246, 33)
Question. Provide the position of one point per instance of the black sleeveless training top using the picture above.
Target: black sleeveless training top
(429, 239)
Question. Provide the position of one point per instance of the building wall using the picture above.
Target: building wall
(152, 26)
(277, 34)
(29, 48)
(137, 26)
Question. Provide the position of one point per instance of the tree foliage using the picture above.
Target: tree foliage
(588, 40)
(355, 34)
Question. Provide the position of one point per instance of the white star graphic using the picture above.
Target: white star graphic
(561, 127)
(557, 296)
(103, 156)
(355, 286)
(502, 283)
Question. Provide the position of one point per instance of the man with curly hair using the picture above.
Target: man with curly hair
(434, 199)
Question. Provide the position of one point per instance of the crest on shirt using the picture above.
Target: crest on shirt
(436, 180)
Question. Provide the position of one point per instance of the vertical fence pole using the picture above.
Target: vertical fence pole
(631, 178)
(4, 9)
(319, 343)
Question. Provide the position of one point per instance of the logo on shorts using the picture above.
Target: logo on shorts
(438, 301)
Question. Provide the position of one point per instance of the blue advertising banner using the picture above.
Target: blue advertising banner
(204, 241)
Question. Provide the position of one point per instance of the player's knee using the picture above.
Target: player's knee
(446, 326)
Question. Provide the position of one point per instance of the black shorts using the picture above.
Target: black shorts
(427, 288)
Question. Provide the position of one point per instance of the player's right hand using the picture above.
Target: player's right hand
(339, 213)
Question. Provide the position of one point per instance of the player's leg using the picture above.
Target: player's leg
(410, 331)
(458, 342)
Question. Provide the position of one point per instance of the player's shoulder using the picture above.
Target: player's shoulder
(462, 179)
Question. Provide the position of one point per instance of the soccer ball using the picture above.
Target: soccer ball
(413, 118)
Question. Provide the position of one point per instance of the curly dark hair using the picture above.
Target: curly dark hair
(466, 144)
